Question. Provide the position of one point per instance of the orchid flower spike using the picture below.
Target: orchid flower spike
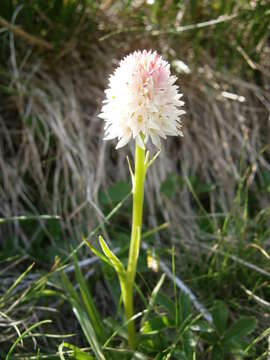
(142, 101)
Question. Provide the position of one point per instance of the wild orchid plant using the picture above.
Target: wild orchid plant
(142, 103)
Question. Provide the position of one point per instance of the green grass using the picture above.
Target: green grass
(168, 325)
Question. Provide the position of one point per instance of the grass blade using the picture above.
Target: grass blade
(82, 317)
(88, 301)
(16, 282)
(24, 334)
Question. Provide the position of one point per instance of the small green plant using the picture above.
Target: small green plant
(224, 339)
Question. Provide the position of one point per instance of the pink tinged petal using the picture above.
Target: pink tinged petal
(181, 112)
(122, 142)
(109, 137)
(156, 140)
(178, 96)
(180, 133)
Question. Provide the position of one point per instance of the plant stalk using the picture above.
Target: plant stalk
(134, 249)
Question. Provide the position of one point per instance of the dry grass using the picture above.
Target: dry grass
(53, 159)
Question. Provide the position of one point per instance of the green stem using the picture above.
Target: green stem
(137, 212)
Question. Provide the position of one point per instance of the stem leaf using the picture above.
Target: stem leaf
(97, 253)
(113, 259)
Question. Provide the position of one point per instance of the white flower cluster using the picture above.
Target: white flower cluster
(142, 101)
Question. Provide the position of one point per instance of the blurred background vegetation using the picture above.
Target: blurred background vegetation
(59, 179)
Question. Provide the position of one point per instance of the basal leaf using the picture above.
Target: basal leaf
(220, 317)
(241, 328)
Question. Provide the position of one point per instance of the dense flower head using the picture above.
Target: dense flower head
(142, 101)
